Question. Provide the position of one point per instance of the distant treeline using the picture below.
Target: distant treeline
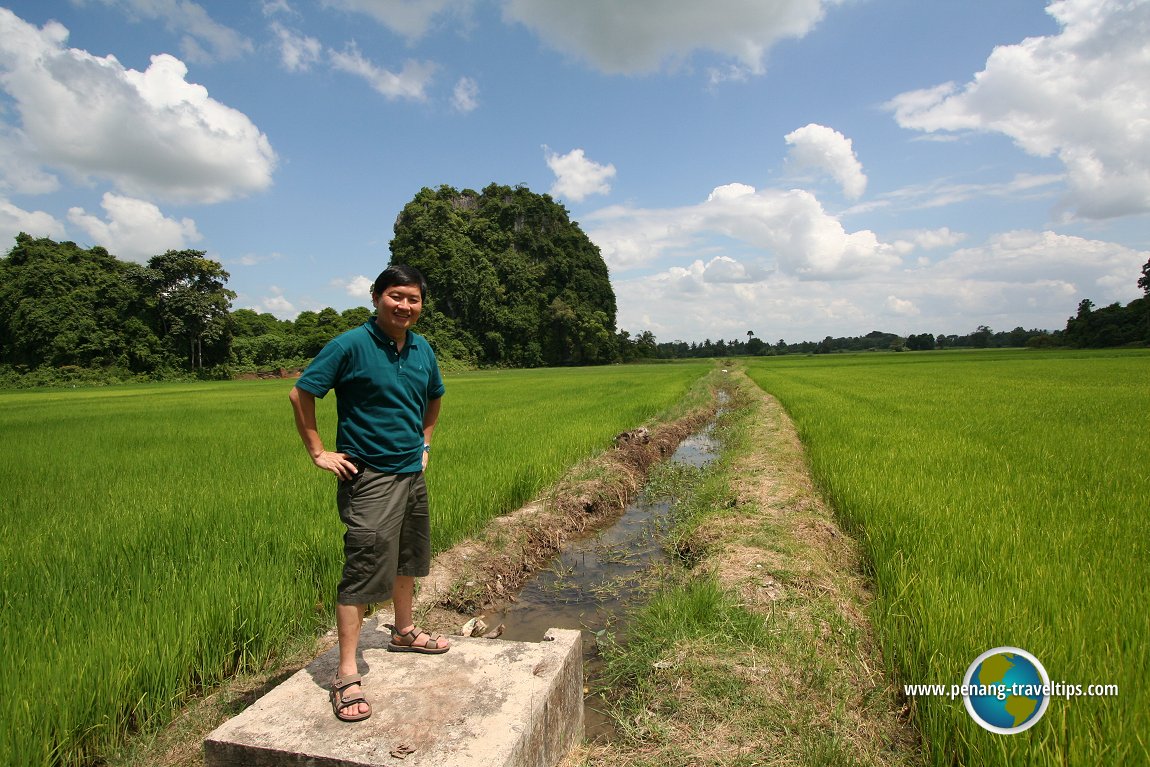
(876, 340)
(513, 281)
(1094, 328)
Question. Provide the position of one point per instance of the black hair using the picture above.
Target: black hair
(399, 274)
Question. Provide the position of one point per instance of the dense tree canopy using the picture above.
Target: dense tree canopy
(1113, 325)
(62, 305)
(513, 280)
(186, 292)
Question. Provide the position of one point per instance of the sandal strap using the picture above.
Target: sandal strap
(432, 642)
(350, 700)
(341, 701)
(341, 683)
(395, 632)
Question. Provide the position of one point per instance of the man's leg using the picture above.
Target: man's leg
(348, 619)
(402, 597)
(414, 543)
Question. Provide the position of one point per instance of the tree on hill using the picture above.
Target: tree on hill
(513, 280)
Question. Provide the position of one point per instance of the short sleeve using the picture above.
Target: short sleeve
(322, 374)
(435, 387)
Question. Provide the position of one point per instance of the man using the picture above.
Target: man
(388, 391)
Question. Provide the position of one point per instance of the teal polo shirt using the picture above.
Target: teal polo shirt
(381, 395)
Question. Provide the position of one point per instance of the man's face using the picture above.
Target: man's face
(397, 308)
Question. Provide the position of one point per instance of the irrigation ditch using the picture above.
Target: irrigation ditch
(594, 580)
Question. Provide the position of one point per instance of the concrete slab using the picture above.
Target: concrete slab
(485, 702)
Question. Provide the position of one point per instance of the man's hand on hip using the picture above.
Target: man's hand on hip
(338, 464)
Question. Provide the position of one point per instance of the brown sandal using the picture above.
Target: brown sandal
(340, 702)
(428, 647)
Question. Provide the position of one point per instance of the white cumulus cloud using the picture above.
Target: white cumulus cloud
(825, 149)
(1028, 278)
(359, 287)
(134, 229)
(36, 223)
(788, 229)
(19, 172)
(1102, 271)
(642, 36)
(929, 239)
(726, 269)
(276, 304)
(409, 18)
(901, 306)
(465, 98)
(411, 82)
(943, 237)
(1082, 95)
(577, 177)
(151, 133)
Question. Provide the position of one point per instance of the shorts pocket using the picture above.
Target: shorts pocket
(359, 550)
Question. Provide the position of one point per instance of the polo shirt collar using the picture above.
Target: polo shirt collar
(384, 338)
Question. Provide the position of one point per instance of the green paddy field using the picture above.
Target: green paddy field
(158, 539)
(1001, 500)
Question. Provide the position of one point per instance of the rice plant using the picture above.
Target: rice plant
(1001, 499)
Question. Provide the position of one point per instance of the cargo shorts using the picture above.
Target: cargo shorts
(388, 533)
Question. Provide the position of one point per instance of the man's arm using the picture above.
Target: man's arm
(303, 405)
(430, 416)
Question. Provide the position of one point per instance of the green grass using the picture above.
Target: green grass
(158, 539)
(685, 609)
(1001, 499)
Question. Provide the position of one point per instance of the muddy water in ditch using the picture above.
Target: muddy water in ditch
(592, 581)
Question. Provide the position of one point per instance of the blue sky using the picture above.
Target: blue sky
(795, 168)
